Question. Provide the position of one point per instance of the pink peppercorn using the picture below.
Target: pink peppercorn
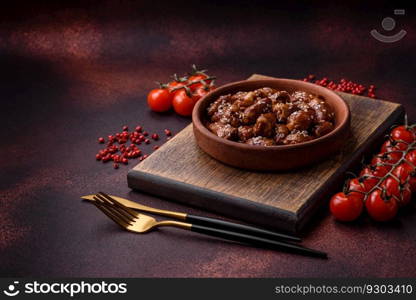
(121, 146)
(343, 85)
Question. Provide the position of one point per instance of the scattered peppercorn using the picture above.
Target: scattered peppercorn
(119, 150)
(344, 85)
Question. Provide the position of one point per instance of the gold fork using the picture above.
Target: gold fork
(141, 223)
(129, 219)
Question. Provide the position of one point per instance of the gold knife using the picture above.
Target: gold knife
(135, 205)
(205, 221)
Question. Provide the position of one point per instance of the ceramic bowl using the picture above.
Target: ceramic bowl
(272, 158)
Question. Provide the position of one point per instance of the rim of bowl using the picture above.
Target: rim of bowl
(196, 120)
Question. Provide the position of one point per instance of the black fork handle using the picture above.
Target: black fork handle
(257, 241)
(220, 224)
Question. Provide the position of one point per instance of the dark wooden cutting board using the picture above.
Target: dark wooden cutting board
(181, 171)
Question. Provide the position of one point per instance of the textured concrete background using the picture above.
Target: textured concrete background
(73, 72)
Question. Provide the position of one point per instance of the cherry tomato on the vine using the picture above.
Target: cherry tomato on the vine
(346, 207)
(405, 195)
(402, 190)
(355, 187)
(381, 207)
(412, 184)
(411, 157)
(392, 186)
(201, 92)
(196, 78)
(159, 100)
(401, 133)
(392, 145)
(183, 104)
(388, 182)
(176, 84)
(389, 158)
(370, 172)
(403, 172)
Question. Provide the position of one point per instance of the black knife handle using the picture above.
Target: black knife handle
(220, 224)
(257, 241)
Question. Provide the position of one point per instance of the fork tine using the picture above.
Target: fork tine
(115, 211)
(124, 214)
(119, 222)
(129, 211)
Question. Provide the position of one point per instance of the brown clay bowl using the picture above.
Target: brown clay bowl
(272, 158)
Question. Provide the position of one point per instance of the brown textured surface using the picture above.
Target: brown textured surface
(73, 72)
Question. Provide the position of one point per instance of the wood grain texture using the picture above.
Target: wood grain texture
(179, 170)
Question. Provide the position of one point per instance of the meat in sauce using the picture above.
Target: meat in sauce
(269, 117)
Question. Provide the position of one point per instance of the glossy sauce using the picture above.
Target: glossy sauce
(268, 117)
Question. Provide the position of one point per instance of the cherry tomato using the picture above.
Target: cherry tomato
(405, 195)
(381, 208)
(201, 92)
(412, 183)
(370, 171)
(183, 104)
(389, 158)
(378, 171)
(346, 207)
(403, 172)
(401, 133)
(411, 157)
(159, 100)
(176, 84)
(401, 190)
(198, 77)
(355, 187)
(391, 145)
(392, 186)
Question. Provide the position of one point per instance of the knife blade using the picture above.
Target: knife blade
(135, 205)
